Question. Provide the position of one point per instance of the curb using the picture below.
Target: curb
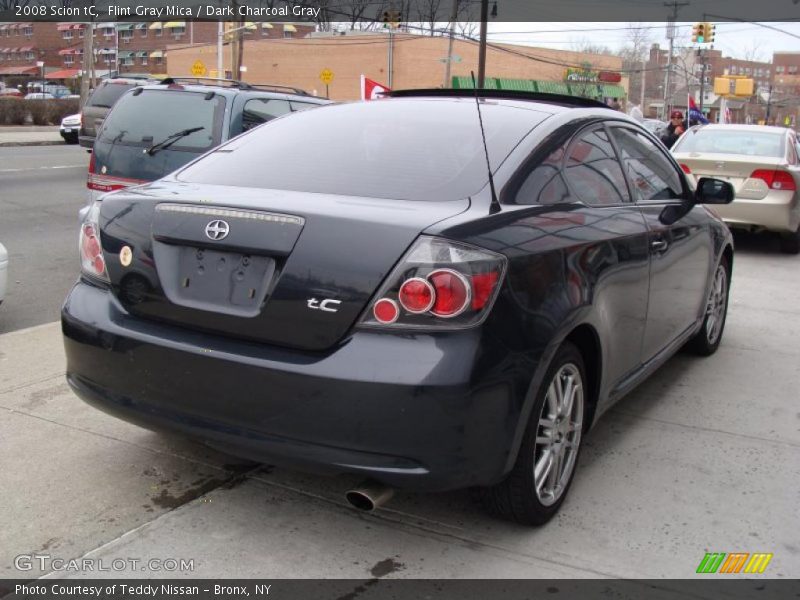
(38, 143)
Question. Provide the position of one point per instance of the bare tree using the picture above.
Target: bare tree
(587, 46)
(753, 51)
(634, 57)
(428, 12)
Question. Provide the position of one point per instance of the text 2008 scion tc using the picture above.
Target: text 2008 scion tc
(341, 290)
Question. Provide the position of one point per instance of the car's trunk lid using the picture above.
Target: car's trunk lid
(733, 168)
(294, 269)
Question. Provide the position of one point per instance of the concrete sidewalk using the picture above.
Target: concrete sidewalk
(30, 135)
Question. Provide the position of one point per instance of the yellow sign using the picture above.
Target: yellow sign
(326, 76)
(198, 69)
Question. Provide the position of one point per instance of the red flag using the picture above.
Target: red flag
(372, 90)
(692, 104)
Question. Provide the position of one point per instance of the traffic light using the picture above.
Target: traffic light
(699, 33)
(710, 30)
(391, 18)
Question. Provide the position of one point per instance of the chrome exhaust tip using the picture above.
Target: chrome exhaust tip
(369, 495)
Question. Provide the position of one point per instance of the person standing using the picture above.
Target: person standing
(675, 128)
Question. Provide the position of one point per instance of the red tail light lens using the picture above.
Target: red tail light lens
(452, 293)
(416, 295)
(438, 284)
(91, 250)
(775, 180)
(686, 169)
(106, 183)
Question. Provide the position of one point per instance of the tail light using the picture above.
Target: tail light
(438, 284)
(93, 263)
(775, 180)
(105, 183)
(686, 169)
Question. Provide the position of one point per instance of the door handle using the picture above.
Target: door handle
(659, 245)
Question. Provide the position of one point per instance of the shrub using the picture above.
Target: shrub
(58, 109)
(12, 111)
(38, 110)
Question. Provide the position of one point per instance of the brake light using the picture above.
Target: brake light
(91, 250)
(438, 284)
(775, 180)
(686, 169)
(106, 183)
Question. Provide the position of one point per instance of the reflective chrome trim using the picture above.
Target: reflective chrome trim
(467, 286)
(230, 213)
(430, 304)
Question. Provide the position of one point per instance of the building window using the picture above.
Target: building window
(126, 36)
(108, 32)
(779, 69)
(144, 61)
(67, 35)
(288, 34)
(177, 32)
(68, 60)
(28, 31)
(143, 31)
(80, 33)
(30, 55)
(793, 69)
(159, 32)
(158, 60)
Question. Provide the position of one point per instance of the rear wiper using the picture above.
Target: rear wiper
(169, 140)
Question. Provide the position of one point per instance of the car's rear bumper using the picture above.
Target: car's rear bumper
(423, 412)
(778, 211)
(86, 141)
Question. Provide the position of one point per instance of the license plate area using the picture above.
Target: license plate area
(224, 282)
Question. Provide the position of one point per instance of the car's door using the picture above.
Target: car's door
(594, 239)
(681, 252)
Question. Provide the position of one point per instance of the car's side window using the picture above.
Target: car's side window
(260, 110)
(593, 172)
(297, 106)
(545, 184)
(652, 176)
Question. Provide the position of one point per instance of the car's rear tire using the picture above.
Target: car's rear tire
(790, 242)
(707, 340)
(537, 485)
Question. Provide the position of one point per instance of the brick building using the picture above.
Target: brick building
(418, 61)
(128, 47)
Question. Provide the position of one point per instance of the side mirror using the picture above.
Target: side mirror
(713, 191)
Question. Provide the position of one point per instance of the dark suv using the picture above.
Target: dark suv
(100, 102)
(155, 129)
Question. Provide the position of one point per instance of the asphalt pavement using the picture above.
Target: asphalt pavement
(703, 457)
(41, 190)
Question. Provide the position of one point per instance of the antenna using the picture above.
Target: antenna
(495, 205)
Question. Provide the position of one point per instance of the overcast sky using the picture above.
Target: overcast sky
(734, 39)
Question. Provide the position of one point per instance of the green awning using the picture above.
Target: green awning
(142, 54)
(123, 54)
(125, 26)
(586, 90)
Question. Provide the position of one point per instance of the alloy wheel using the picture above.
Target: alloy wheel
(717, 304)
(558, 435)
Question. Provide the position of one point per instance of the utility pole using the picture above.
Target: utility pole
(769, 105)
(453, 18)
(391, 57)
(671, 35)
(702, 55)
(87, 79)
(482, 48)
(220, 35)
(643, 80)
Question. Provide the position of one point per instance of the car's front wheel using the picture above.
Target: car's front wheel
(707, 340)
(537, 485)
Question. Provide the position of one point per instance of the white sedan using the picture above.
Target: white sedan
(70, 126)
(3, 271)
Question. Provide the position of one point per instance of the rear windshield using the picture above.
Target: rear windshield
(106, 95)
(153, 115)
(721, 141)
(396, 149)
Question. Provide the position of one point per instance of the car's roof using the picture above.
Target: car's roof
(230, 91)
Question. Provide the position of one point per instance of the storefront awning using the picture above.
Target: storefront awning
(141, 26)
(174, 24)
(123, 54)
(124, 26)
(142, 54)
(156, 54)
(26, 70)
(266, 25)
(63, 74)
(290, 27)
(73, 50)
(104, 51)
(26, 48)
(62, 27)
(157, 25)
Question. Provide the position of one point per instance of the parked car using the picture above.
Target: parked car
(655, 126)
(3, 272)
(70, 126)
(10, 93)
(761, 163)
(97, 107)
(39, 96)
(344, 290)
(156, 129)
